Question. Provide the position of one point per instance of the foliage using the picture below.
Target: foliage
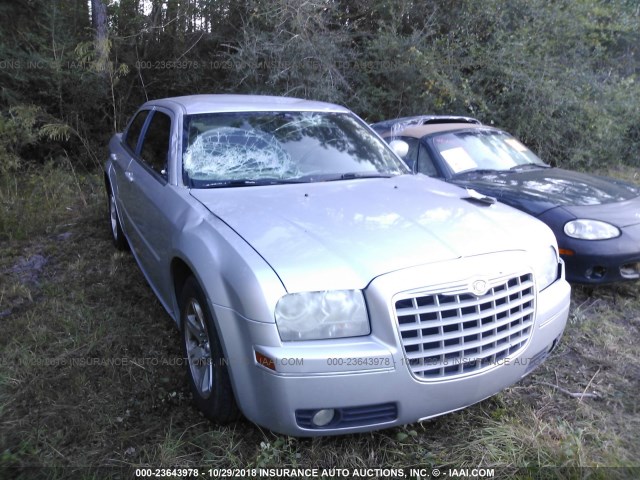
(555, 75)
(302, 53)
(562, 75)
(17, 131)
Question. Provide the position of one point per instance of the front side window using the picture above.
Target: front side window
(133, 133)
(247, 148)
(483, 150)
(425, 163)
(412, 154)
(155, 146)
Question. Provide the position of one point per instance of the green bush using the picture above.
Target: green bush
(18, 130)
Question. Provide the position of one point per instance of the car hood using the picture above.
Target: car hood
(335, 235)
(538, 190)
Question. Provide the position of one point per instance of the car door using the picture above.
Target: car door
(120, 160)
(425, 163)
(412, 153)
(418, 158)
(149, 201)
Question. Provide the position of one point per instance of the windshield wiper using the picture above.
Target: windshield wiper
(479, 171)
(278, 181)
(354, 175)
(529, 165)
(247, 183)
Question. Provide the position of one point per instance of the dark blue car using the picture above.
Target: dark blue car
(596, 220)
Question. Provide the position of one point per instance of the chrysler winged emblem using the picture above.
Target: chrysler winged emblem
(479, 287)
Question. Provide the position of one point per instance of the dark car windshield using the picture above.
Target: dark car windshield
(257, 148)
(483, 150)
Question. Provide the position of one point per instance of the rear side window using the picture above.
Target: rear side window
(155, 146)
(133, 133)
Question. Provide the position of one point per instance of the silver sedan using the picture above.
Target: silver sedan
(321, 288)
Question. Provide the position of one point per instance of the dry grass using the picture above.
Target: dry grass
(90, 374)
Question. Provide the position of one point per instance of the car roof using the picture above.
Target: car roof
(420, 131)
(193, 104)
(420, 125)
(423, 120)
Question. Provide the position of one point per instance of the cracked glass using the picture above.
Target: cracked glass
(249, 148)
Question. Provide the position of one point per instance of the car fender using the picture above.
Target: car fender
(228, 269)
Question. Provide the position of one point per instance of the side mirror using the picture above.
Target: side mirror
(399, 147)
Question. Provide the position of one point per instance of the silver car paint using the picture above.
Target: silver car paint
(249, 246)
(348, 233)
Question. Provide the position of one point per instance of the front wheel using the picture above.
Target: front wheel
(206, 366)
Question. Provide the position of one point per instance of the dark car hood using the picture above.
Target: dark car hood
(538, 190)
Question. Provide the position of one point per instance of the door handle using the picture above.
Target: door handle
(129, 175)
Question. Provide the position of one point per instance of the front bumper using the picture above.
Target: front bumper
(367, 380)
(603, 261)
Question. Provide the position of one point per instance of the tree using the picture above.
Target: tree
(99, 23)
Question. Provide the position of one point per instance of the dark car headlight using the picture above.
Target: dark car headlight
(584, 229)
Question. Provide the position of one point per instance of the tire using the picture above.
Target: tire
(207, 371)
(117, 235)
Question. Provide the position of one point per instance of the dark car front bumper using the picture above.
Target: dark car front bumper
(602, 261)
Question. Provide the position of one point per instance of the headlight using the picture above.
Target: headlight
(546, 267)
(590, 230)
(320, 315)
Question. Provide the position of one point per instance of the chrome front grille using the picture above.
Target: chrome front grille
(455, 333)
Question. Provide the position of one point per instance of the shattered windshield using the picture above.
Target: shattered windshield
(483, 150)
(255, 148)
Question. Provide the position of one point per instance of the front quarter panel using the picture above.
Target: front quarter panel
(241, 288)
(229, 270)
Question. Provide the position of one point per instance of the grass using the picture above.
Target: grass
(90, 373)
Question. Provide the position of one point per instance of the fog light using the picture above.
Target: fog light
(323, 417)
(595, 273)
(630, 270)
